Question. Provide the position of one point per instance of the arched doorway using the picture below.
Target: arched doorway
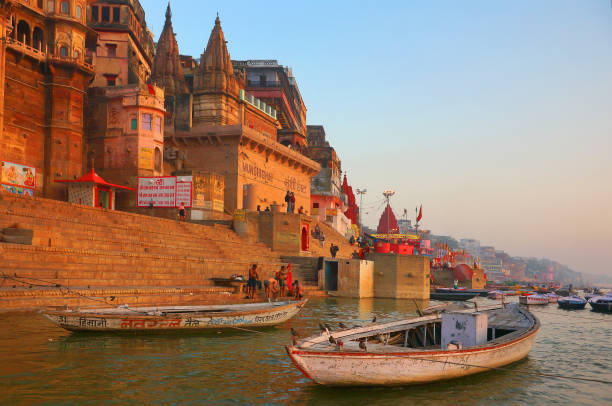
(305, 240)
(38, 39)
(23, 32)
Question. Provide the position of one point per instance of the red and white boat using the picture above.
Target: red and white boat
(552, 297)
(418, 350)
(535, 299)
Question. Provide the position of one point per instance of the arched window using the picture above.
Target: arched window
(64, 51)
(38, 39)
(78, 11)
(65, 7)
(23, 32)
(158, 159)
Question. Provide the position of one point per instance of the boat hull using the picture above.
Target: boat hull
(601, 307)
(452, 296)
(135, 322)
(529, 300)
(406, 368)
(571, 306)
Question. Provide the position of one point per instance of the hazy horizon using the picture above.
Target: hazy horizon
(492, 115)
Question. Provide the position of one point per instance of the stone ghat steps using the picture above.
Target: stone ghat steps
(303, 269)
(74, 226)
(53, 232)
(101, 268)
(109, 218)
(111, 297)
(331, 236)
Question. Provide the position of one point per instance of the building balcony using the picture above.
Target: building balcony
(26, 49)
(65, 60)
(43, 56)
(267, 84)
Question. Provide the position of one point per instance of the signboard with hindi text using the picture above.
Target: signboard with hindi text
(183, 190)
(157, 191)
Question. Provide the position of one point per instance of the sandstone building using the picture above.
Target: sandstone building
(45, 69)
(125, 114)
(215, 125)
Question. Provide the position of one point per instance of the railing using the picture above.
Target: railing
(76, 61)
(254, 83)
(27, 49)
(41, 55)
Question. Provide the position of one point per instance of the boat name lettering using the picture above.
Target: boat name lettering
(192, 322)
(146, 323)
(270, 317)
(85, 322)
(227, 321)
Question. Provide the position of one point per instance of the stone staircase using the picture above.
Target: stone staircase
(93, 254)
(331, 236)
(303, 269)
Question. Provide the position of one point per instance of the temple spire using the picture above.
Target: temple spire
(168, 14)
(216, 71)
(167, 70)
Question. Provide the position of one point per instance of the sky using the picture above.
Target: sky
(494, 115)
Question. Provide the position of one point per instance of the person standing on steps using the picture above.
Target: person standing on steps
(181, 212)
(333, 250)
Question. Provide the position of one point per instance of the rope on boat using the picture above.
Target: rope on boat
(542, 374)
(63, 289)
(250, 331)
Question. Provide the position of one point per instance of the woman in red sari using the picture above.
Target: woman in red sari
(289, 281)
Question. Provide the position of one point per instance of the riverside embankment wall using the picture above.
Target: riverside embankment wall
(84, 255)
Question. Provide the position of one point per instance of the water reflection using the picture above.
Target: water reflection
(42, 363)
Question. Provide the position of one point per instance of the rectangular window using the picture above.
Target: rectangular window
(111, 80)
(158, 125)
(111, 50)
(106, 14)
(315, 205)
(116, 14)
(134, 124)
(94, 14)
(146, 121)
(39, 3)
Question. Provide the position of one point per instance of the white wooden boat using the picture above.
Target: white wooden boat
(415, 351)
(168, 318)
(533, 300)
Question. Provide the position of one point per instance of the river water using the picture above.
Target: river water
(42, 364)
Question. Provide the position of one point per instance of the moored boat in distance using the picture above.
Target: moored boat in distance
(534, 299)
(174, 318)
(452, 295)
(495, 294)
(418, 350)
(602, 304)
(571, 303)
(552, 297)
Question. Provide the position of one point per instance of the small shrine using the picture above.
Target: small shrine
(91, 190)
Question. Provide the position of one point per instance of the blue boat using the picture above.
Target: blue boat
(572, 302)
(602, 304)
